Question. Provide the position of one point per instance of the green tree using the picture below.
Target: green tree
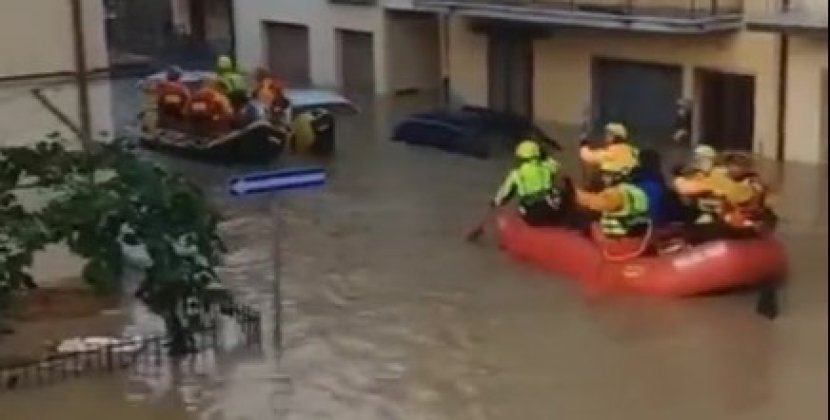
(99, 202)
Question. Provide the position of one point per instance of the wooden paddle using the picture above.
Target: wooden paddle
(478, 230)
(767, 305)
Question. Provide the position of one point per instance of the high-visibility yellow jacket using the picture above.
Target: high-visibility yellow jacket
(621, 157)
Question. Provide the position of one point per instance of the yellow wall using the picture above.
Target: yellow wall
(805, 112)
(563, 69)
(467, 64)
(36, 37)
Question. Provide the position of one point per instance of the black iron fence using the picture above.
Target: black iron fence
(122, 354)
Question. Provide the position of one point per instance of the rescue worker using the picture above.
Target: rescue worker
(616, 153)
(749, 211)
(533, 183)
(172, 98)
(664, 205)
(210, 110)
(694, 185)
(232, 82)
(729, 199)
(267, 83)
(258, 107)
(623, 206)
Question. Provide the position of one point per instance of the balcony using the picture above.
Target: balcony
(355, 2)
(662, 16)
(796, 17)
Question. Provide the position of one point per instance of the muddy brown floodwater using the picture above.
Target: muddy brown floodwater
(388, 314)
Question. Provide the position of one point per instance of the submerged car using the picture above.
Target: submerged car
(471, 131)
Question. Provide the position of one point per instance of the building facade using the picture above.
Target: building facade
(379, 46)
(37, 45)
(631, 61)
(801, 28)
(38, 38)
(565, 62)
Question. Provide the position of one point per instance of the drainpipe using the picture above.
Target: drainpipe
(81, 74)
(783, 75)
(232, 29)
(445, 80)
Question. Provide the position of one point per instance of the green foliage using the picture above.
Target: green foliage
(98, 203)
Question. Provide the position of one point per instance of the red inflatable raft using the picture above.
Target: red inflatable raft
(708, 268)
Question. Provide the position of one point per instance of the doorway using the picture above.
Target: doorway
(413, 57)
(643, 96)
(357, 61)
(727, 110)
(510, 73)
(288, 52)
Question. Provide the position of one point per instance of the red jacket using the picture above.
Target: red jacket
(172, 97)
(211, 104)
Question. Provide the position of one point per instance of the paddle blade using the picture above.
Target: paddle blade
(768, 302)
(475, 234)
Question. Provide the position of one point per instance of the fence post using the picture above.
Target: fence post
(158, 345)
(109, 358)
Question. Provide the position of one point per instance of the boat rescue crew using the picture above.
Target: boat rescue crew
(715, 197)
(626, 230)
(222, 101)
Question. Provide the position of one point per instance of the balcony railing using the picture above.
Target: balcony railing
(355, 2)
(649, 15)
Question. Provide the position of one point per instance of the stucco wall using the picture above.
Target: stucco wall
(322, 20)
(414, 54)
(37, 37)
(24, 121)
(804, 115)
(467, 63)
(562, 68)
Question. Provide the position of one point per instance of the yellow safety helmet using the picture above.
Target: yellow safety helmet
(528, 149)
(224, 63)
(611, 166)
(617, 130)
(705, 152)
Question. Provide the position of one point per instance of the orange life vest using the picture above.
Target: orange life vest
(749, 213)
(208, 103)
(172, 98)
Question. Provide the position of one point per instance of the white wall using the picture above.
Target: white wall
(322, 20)
(36, 37)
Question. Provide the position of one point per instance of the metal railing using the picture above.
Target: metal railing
(123, 354)
(658, 8)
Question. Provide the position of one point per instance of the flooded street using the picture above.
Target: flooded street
(387, 313)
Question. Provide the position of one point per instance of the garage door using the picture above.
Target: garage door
(288, 52)
(357, 61)
(642, 96)
(414, 53)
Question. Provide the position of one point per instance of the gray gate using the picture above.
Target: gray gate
(641, 96)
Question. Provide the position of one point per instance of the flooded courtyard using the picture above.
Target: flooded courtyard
(376, 308)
